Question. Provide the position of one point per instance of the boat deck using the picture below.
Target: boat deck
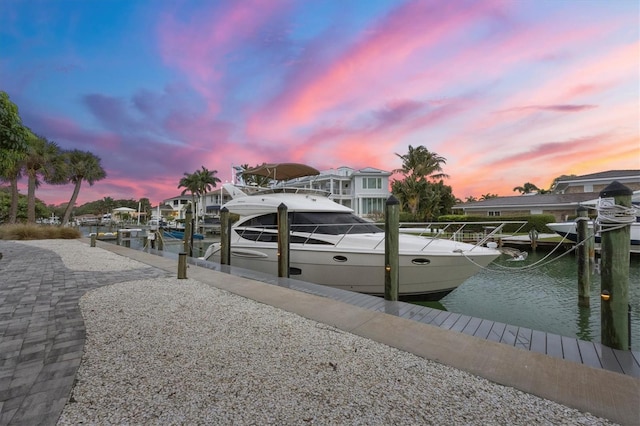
(592, 354)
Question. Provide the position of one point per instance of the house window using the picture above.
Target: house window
(371, 183)
(373, 205)
(493, 213)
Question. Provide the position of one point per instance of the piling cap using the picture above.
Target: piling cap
(615, 188)
(391, 201)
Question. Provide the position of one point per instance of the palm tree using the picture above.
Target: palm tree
(108, 204)
(488, 196)
(81, 166)
(422, 164)
(199, 184)
(44, 160)
(13, 149)
(409, 192)
(12, 174)
(189, 182)
(420, 190)
(527, 188)
(207, 181)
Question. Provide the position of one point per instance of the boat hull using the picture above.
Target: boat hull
(331, 246)
(568, 230)
(422, 275)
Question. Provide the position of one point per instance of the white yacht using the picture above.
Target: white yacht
(569, 229)
(330, 245)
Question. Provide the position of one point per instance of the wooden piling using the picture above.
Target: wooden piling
(584, 275)
(126, 238)
(533, 238)
(391, 248)
(283, 241)
(591, 247)
(225, 237)
(182, 266)
(615, 240)
(188, 233)
(160, 239)
(93, 240)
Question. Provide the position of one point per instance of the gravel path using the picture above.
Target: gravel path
(168, 351)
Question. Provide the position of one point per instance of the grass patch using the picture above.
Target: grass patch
(37, 232)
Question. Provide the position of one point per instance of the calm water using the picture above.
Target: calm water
(545, 298)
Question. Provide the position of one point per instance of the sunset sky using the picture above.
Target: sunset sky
(507, 91)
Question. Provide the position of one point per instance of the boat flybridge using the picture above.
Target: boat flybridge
(332, 246)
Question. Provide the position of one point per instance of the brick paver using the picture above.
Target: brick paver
(42, 333)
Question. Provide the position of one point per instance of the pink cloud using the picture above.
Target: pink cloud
(367, 70)
(557, 108)
(201, 46)
(541, 164)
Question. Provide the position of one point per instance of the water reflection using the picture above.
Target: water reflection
(544, 299)
(584, 328)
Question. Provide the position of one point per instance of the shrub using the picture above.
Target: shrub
(37, 232)
(68, 233)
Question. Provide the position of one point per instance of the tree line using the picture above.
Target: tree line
(23, 153)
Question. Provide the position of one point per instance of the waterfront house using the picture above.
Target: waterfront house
(363, 190)
(177, 205)
(567, 195)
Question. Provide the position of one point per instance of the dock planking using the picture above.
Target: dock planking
(523, 338)
(538, 342)
(461, 323)
(472, 326)
(592, 354)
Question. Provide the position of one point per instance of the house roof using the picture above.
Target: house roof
(553, 199)
(529, 201)
(371, 170)
(610, 174)
(600, 177)
(178, 197)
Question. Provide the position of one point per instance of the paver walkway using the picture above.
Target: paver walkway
(42, 332)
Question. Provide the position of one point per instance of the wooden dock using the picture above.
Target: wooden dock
(568, 348)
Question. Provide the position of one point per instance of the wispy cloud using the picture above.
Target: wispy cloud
(508, 92)
(554, 108)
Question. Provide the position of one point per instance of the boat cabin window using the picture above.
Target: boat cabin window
(271, 236)
(331, 223)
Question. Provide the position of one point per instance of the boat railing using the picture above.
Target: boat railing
(292, 190)
(475, 233)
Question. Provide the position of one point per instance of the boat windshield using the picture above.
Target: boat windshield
(331, 223)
